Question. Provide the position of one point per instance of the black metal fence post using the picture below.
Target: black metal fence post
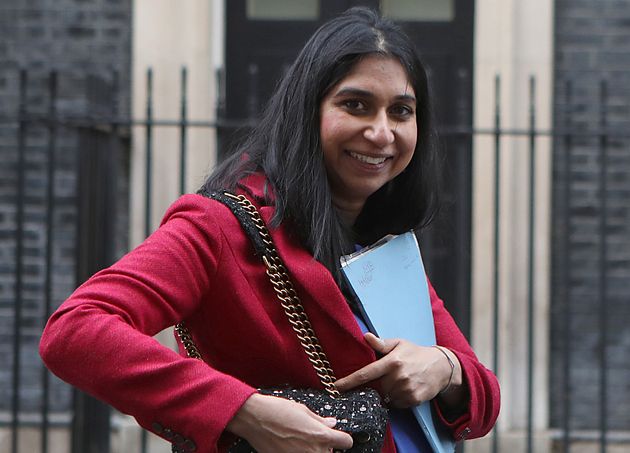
(96, 189)
(497, 241)
(566, 273)
(19, 254)
(531, 261)
(148, 188)
(183, 129)
(149, 154)
(463, 172)
(50, 226)
(603, 268)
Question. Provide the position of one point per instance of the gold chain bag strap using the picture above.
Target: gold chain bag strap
(360, 412)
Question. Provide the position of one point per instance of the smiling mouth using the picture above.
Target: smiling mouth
(368, 159)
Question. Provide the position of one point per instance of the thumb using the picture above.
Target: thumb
(379, 345)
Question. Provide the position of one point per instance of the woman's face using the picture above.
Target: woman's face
(368, 129)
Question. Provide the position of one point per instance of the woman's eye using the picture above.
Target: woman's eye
(353, 104)
(401, 111)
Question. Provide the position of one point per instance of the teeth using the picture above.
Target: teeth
(368, 159)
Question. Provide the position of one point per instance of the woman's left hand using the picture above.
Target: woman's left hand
(409, 374)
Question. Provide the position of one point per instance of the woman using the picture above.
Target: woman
(343, 155)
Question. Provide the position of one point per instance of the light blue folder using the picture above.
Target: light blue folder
(390, 283)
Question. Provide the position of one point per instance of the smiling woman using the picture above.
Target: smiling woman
(368, 131)
(343, 155)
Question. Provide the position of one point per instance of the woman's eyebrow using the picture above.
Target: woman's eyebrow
(406, 98)
(351, 91)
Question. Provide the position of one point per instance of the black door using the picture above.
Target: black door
(446, 46)
(264, 36)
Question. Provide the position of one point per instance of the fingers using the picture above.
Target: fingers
(379, 345)
(340, 440)
(362, 376)
(337, 440)
(277, 425)
(374, 370)
(408, 374)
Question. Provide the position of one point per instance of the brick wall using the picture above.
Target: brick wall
(592, 44)
(84, 41)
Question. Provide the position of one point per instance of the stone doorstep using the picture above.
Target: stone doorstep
(126, 438)
(551, 442)
(29, 439)
(125, 435)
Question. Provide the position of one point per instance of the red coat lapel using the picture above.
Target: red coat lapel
(313, 278)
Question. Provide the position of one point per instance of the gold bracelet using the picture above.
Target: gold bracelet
(450, 362)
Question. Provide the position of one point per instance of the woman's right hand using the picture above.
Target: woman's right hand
(272, 424)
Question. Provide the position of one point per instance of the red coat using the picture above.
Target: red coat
(199, 267)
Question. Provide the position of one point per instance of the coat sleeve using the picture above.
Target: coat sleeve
(482, 385)
(100, 339)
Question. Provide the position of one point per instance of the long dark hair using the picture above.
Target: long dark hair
(285, 145)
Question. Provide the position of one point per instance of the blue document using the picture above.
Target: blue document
(390, 283)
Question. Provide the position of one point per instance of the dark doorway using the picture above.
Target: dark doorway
(264, 36)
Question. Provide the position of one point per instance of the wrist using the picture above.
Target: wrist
(453, 398)
(455, 374)
(245, 418)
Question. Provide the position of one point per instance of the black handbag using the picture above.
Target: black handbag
(360, 413)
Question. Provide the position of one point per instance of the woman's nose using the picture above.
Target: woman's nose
(380, 131)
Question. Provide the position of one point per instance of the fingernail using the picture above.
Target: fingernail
(331, 422)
